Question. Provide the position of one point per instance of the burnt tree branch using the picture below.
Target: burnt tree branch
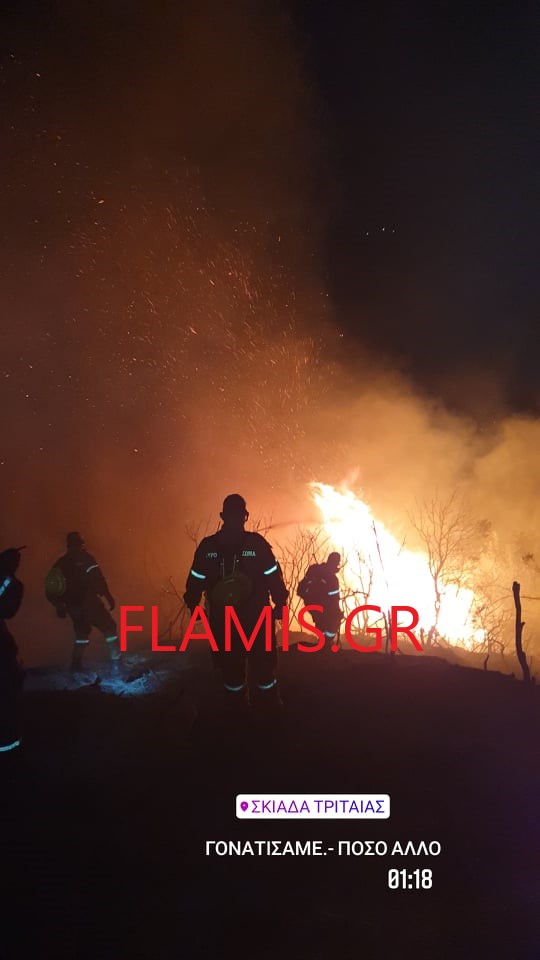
(519, 632)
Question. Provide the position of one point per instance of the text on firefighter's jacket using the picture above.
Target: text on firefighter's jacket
(266, 618)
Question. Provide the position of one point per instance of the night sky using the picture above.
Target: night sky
(431, 113)
(422, 164)
(217, 219)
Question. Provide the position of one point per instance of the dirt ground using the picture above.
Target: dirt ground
(119, 787)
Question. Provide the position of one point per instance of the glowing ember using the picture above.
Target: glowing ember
(379, 570)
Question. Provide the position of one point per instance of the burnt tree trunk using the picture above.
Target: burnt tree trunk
(519, 630)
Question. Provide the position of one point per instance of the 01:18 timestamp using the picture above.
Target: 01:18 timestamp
(414, 880)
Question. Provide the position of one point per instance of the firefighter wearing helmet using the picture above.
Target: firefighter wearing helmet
(236, 567)
(75, 586)
(320, 587)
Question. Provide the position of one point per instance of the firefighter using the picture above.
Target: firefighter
(320, 587)
(237, 568)
(11, 674)
(75, 586)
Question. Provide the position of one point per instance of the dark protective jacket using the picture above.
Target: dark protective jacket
(84, 578)
(320, 587)
(11, 594)
(217, 557)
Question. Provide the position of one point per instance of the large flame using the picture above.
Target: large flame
(379, 570)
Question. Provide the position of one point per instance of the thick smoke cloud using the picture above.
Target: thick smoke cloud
(158, 279)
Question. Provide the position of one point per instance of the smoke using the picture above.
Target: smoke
(159, 282)
(170, 338)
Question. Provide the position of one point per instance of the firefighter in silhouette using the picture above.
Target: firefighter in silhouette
(75, 586)
(237, 568)
(320, 587)
(11, 674)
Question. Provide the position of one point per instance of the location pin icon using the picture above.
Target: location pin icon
(244, 805)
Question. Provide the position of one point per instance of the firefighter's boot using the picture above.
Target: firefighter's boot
(114, 648)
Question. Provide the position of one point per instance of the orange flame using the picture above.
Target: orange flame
(377, 569)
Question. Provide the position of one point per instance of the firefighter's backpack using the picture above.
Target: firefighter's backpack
(312, 589)
(55, 584)
(232, 589)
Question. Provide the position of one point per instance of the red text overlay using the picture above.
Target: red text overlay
(199, 629)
